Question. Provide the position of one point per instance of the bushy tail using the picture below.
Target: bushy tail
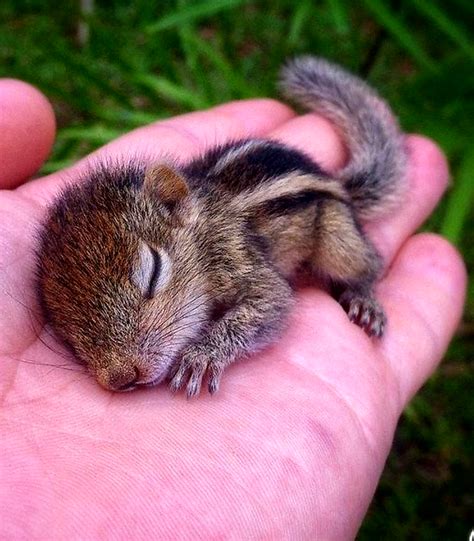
(375, 173)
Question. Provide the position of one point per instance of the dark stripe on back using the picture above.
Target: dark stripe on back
(288, 204)
(260, 164)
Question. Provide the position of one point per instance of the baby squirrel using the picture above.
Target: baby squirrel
(153, 272)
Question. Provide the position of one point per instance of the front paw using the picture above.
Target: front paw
(190, 371)
(365, 312)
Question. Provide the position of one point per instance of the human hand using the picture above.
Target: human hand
(295, 441)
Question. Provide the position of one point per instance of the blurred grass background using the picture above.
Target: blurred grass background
(110, 66)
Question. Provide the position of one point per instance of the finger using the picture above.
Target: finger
(180, 138)
(189, 135)
(27, 127)
(315, 136)
(424, 296)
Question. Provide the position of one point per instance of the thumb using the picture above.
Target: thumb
(27, 128)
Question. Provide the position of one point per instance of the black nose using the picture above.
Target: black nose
(124, 381)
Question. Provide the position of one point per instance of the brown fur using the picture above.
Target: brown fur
(153, 272)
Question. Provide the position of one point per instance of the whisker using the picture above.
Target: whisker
(181, 325)
(68, 357)
(50, 365)
(36, 321)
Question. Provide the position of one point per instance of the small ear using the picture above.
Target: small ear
(166, 183)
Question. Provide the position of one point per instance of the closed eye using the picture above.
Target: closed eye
(155, 274)
(151, 270)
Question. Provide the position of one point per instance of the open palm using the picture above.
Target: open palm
(294, 443)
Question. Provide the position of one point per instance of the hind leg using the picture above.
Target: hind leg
(364, 310)
(348, 259)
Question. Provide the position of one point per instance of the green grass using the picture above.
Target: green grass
(146, 60)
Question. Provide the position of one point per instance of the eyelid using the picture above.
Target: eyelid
(155, 274)
(152, 270)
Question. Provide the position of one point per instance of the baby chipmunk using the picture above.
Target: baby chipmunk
(153, 272)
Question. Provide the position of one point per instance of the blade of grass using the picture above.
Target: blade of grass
(83, 68)
(64, 149)
(340, 16)
(445, 24)
(451, 139)
(172, 91)
(56, 165)
(86, 8)
(461, 200)
(300, 17)
(401, 33)
(234, 80)
(130, 118)
(466, 4)
(93, 134)
(187, 34)
(191, 14)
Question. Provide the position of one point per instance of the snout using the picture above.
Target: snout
(118, 378)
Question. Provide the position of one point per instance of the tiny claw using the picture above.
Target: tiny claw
(194, 384)
(354, 311)
(365, 317)
(365, 312)
(177, 380)
(214, 381)
(382, 329)
(373, 330)
(193, 388)
(378, 326)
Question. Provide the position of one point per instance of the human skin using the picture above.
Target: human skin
(294, 443)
